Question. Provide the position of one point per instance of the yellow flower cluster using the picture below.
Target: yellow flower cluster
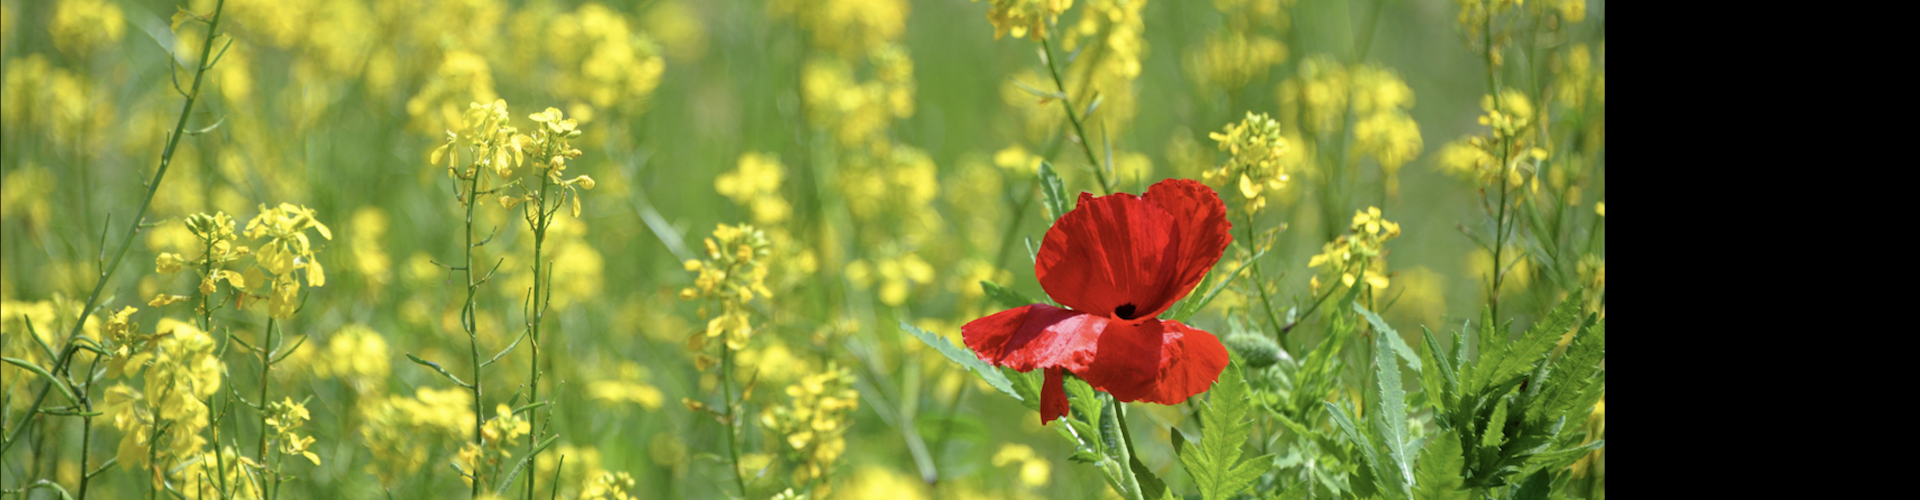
(608, 486)
(1112, 36)
(178, 370)
(489, 143)
(895, 275)
(1509, 120)
(755, 184)
(859, 111)
(66, 107)
(814, 420)
(847, 27)
(733, 274)
(286, 417)
(1254, 147)
(357, 356)
(498, 434)
(1231, 59)
(404, 432)
(284, 250)
(630, 387)
(604, 58)
(81, 26)
(1020, 17)
(1363, 247)
(550, 147)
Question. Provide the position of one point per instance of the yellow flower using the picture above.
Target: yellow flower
(1254, 147)
(1020, 17)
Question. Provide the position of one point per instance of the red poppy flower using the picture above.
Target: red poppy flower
(1116, 262)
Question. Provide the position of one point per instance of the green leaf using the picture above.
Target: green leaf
(1438, 381)
(1520, 356)
(1026, 386)
(1570, 375)
(966, 358)
(1006, 297)
(1342, 416)
(436, 367)
(1493, 436)
(1399, 345)
(1389, 414)
(52, 380)
(1438, 475)
(1215, 462)
(1535, 487)
(1054, 192)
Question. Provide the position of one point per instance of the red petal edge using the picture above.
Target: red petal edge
(1035, 336)
(1053, 397)
(1199, 235)
(1106, 253)
(1127, 364)
(1191, 361)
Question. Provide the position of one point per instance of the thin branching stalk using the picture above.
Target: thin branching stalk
(467, 321)
(732, 416)
(133, 228)
(542, 220)
(266, 367)
(86, 425)
(1099, 171)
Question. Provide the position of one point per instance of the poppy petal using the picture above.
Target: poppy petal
(1104, 257)
(1034, 336)
(1200, 233)
(1128, 360)
(1191, 360)
(1053, 397)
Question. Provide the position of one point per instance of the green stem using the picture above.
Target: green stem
(133, 228)
(86, 428)
(1099, 172)
(266, 366)
(467, 321)
(733, 420)
(539, 314)
(1260, 283)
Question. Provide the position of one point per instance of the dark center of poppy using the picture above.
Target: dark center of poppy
(1124, 311)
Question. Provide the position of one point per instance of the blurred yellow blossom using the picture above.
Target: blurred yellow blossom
(630, 387)
(1033, 470)
(1020, 17)
(80, 27)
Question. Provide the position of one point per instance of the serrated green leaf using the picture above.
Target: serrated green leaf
(1025, 385)
(1083, 400)
(1535, 487)
(1390, 411)
(1493, 436)
(1570, 375)
(1521, 356)
(1053, 192)
(1215, 462)
(1342, 417)
(966, 358)
(1006, 297)
(1437, 380)
(1437, 477)
(1399, 345)
(1560, 459)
